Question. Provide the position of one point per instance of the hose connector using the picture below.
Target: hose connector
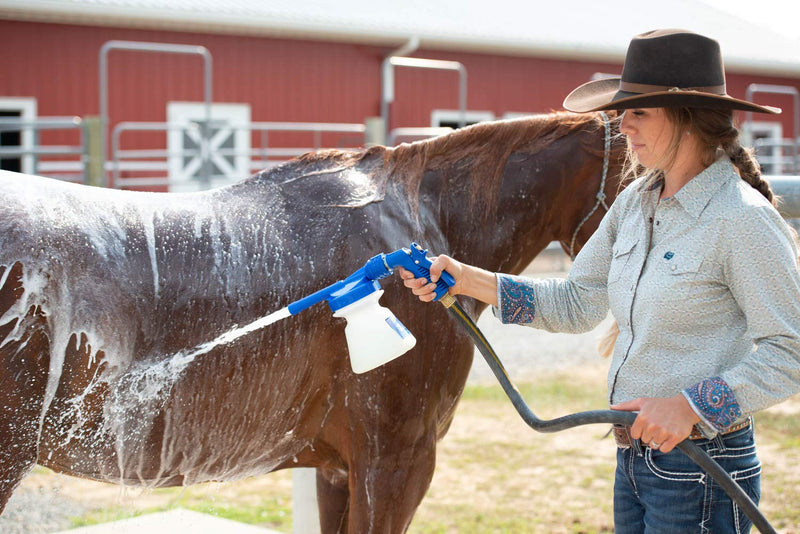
(447, 300)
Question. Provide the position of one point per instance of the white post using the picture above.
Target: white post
(375, 131)
(305, 514)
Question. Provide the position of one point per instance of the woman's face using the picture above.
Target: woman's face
(649, 135)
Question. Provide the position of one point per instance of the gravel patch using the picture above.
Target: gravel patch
(527, 352)
(38, 510)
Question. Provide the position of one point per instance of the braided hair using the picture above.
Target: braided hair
(717, 132)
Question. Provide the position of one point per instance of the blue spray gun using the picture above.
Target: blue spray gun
(374, 335)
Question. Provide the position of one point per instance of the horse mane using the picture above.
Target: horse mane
(483, 150)
(480, 150)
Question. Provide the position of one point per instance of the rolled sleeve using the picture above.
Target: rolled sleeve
(714, 402)
(516, 299)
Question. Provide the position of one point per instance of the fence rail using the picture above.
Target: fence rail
(788, 148)
(31, 151)
(158, 160)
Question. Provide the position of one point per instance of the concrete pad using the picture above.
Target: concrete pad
(177, 521)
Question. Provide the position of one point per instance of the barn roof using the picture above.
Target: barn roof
(572, 29)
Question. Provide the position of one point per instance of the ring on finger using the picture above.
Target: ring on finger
(655, 445)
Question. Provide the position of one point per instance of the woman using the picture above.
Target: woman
(700, 272)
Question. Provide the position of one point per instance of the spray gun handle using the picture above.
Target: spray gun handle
(422, 268)
(415, 260)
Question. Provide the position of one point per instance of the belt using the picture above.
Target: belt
(624, 441)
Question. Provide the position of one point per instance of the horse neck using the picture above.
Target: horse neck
(542, 197)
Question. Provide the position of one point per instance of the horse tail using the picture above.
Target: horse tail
(605, 344)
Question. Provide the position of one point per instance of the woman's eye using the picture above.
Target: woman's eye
(637, 112)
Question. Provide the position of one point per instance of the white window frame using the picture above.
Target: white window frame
(184, 113)
(27, 108)
(439, 116)
(770, 130)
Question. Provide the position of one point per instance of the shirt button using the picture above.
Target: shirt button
(674, 267)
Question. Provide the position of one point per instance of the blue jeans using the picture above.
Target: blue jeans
(657, 493)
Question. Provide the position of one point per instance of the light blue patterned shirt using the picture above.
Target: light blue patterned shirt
(705, 289)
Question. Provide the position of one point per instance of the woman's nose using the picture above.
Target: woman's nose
(625, 125)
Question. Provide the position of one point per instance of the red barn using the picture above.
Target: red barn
(321, 72)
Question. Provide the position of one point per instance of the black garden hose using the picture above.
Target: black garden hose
(691, 449)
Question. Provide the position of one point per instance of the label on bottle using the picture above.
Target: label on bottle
(398, 327)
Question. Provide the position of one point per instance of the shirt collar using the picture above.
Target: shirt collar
(697, 193)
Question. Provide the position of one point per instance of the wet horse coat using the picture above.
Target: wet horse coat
(102, 293)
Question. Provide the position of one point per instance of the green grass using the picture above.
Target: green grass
(273, 513)
(782, 429)
(466, 520)
(271, 509)
(552, 391)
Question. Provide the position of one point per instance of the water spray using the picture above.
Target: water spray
(375, 337)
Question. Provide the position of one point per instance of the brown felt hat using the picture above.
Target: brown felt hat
(664, 68)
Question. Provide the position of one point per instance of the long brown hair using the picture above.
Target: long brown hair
(717, 132)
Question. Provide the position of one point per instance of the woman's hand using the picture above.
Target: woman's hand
(424, 289)
(662, 422)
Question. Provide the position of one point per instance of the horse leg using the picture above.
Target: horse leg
(333, 499)
(378, 493)
(386, 490)
(24, 363)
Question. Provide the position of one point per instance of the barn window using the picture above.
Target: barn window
(229, 146)
(17, 109)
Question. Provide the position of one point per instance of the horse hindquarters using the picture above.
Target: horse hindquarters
(24, 364)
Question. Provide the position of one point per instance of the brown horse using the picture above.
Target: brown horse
(102, 291)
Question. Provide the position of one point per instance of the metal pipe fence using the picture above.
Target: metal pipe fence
(72, 164)
(163, 48)
(157, 161)
(785, 159)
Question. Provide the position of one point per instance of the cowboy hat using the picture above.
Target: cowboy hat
(664, 68)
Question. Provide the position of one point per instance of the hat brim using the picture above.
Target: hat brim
(600, 95)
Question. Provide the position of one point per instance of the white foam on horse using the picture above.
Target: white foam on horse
(62, 302)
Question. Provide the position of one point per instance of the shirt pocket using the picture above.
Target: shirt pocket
(686, 265)
(621, 255)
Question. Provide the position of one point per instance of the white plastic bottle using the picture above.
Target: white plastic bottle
(374, 335)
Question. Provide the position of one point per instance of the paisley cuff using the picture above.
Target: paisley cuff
(714, 402)
(515, 297)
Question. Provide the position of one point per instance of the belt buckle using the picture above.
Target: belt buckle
(622, 436)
